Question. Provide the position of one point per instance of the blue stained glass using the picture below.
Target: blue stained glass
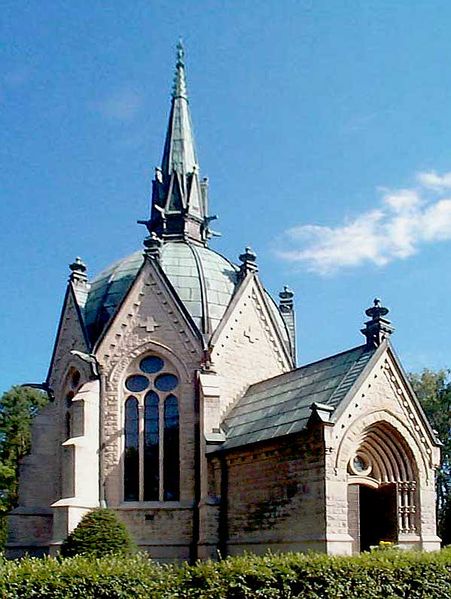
(151, 364)
(166, 382)
(151, 447)
(171, 447)
(136, 383)
(131, 454)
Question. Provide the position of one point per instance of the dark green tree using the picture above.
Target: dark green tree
(433, 389)
(18, 406)
(98, 533)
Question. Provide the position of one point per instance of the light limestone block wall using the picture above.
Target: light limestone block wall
(40, 478)
(248, 348)
(275, 496)
(165, 529)
(80, 466)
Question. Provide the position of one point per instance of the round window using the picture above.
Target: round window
(166, 382)
(136, 383)
(151, 364)
(360, 465)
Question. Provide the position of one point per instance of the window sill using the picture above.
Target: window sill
(155, 505)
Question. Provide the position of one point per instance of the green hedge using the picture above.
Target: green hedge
(370, 576)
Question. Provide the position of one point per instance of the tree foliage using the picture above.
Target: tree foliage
(433, 389)
(98, 533)
(18, 406)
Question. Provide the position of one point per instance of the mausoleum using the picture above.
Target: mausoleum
(177, 402)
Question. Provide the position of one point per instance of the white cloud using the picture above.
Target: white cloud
(122, 105)
(432, 180)
(405, 220)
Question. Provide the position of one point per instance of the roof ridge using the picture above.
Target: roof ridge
(350, 378)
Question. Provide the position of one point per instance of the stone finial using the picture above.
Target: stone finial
(286, 296)
(249, 262)
(78, 271)
(378, 327)
(286, 309)
(152, 245)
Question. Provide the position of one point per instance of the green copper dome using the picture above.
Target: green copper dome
(204, 280)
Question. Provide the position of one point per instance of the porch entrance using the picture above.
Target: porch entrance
(372, 515)
(378, 515)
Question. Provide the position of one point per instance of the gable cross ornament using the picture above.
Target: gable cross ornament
(150, 324)
(250, 334)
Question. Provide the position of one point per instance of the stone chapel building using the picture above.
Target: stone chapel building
(177, 402)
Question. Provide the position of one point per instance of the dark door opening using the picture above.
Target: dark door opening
(378, 520)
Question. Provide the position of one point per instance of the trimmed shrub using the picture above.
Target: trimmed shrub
(379, 575)
(98, 533)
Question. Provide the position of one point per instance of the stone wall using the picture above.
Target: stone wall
(275, 496)
(247, 348)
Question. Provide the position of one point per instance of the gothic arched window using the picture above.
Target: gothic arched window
(152, 432)
(131, 456)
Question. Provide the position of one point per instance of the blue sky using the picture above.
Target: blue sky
(324, 128)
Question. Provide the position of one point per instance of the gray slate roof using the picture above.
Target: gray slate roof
(281, 405)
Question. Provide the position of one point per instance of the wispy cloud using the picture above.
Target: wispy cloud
(405, 220)
(122, 105)
(432, 180)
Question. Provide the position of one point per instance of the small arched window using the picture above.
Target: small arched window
(152, 432)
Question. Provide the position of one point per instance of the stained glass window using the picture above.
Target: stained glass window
(151, 364)
(136, 383)
(166, 382)
(131, 457)
(152, 434)
(171, 466)
(151, 447)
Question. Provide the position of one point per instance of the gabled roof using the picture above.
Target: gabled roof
(281, 405)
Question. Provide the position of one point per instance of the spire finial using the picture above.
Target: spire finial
(180, 53)
(78, 271)
(249, 261)
(179, 86)
(378, 327)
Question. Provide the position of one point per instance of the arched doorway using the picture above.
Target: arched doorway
(382, 496)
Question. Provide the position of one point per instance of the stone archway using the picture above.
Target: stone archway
(382, 497)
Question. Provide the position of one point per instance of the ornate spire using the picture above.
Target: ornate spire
(179, 195)
(378, 327)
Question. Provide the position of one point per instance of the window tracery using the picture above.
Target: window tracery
(151, 432)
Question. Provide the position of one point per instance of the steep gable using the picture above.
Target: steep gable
(71, 335)
(247, 336)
